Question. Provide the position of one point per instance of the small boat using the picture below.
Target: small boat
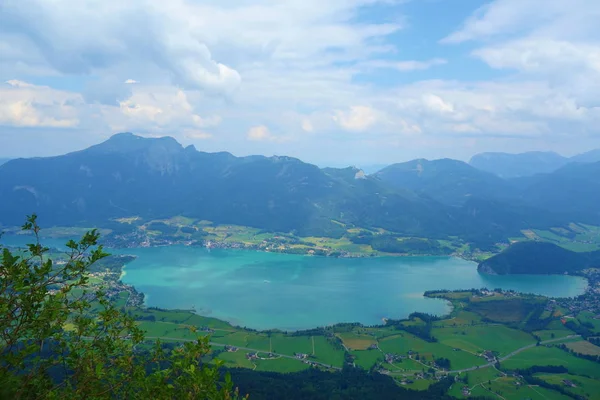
(266, 281)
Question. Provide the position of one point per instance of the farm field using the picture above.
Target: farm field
(582, 238)
(328, 353)
(367, 358)
(461, 318)
(402, 343)
(236, 360)
(549, 334)
(507, 388)
(584, 347)
(416, 344)
(589, 317)
(587, 387)
(355, 341)
(404, 366)
(542, 355)
(477, 339)
(473, 379)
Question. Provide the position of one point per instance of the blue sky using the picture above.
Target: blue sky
(334, 82)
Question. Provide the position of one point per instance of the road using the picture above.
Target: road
(458, 371)
(243, 348)
(514, 353)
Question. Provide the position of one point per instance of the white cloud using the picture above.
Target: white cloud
(505, 18)
(259, 133)
(262, 133)
(553, 39)
(404, 66)
(553, 48)
(211, 69)
(539, 55)
(19, 84)
(200, 45)
(26, 105)
(357, 118)
(157, 109)
(73, 37)
(307, 126)
(437, 104)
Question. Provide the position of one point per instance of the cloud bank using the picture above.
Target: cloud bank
(301, 77)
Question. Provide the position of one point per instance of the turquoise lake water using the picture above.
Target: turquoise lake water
(267, 290)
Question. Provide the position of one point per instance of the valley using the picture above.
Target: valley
(485, 344)
(422, 271)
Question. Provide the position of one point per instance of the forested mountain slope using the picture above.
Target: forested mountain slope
(158, 178)
(538, 258)
(448, 181)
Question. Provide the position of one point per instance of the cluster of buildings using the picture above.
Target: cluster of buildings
(391, 358)
(489, 356)
(254, 355)
(589, 301)
(135, 298)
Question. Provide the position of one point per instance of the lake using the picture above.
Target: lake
(290, 292)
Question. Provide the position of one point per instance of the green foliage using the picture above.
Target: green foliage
(126, 180)
(53, 346)
(448, 181)
(505, 310)
(350, 383)
(538, 258)
(393, 244)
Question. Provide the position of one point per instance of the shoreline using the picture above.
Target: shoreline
(446, 313)
(309, 252)
(121, 244)
(193, 310)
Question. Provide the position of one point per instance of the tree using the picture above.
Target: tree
(60, 340)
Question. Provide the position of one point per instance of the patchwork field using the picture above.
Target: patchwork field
(461, 318)
(587, 387)
(473, 379)
(401, 344)
(356, 341)
(584, 347)
(507, 388)
(461, 339)
(502, 310)
(236, 360)
(367, 358)
(549, 334)
(477, 339)
(542, 355)
(328, 352)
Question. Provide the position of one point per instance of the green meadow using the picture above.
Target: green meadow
(476, 339)
(586, 387)
(551, 355)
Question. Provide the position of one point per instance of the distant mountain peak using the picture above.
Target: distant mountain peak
(127, 142)
(591, 156)
(508, 165)
(445, 180)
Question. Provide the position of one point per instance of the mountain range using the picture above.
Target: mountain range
(152, 178)
(508, 166)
